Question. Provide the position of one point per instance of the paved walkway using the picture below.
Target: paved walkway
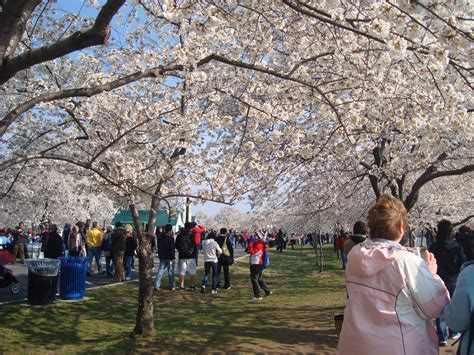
(21, 273)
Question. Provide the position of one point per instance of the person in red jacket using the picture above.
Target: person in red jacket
(340, 244)
(197, 230)
(256, 250)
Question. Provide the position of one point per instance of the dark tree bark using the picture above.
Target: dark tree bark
(13, 19)
(17, 16)
(321, 260)
(315, 247)
(144, 326)
(397, 187)
(463, 221)
(431, 173)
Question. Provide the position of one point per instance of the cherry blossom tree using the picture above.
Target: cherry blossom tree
(54, 194)
(241, 98)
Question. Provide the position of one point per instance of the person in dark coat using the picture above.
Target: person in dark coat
(224, 261)
(117, 249)
(66, 234)
(55, 246)
(280, 242)
(449, 257)
(165, 244)
(466, 238)
(187, 253)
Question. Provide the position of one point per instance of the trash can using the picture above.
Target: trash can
(72, 283)
(42, 281)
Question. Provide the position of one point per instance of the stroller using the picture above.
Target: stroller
(7, 279)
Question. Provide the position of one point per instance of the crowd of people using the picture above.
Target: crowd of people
(176, 251)
(393, 291)
(117, 246)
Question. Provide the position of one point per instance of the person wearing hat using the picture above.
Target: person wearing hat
(256, 249)
(117, 249)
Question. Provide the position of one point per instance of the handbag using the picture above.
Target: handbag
(225, 250)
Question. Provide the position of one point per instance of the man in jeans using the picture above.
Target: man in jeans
(19, 240)
(94, 242)
(117, 249)
(165, 243)
(210, 250)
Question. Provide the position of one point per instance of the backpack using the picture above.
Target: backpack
(266, 260)
(186, 247)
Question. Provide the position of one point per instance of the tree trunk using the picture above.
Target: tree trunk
(315, 247)
(320, 242)
(144, 326)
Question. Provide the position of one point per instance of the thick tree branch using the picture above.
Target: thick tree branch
(463, 221)
(13, 19)
(431, 174)
(93, 90)
(96, 35)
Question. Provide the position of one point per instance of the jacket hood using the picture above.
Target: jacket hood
(358, 238)
(370, 257)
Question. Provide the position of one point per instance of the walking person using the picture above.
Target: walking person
(226, 258)
(18, 242)
(359, 235)
(166, 251)
(131, 245)
(279, 241)
(449, 257)
(466, 239)
(117, 249)
(106, 247)
(211, 251)
(55, 246)
(94, 241)
(256, 250)
(198, 231)
(65, 236)
(341, 240)
(187, 253)
(75, 242)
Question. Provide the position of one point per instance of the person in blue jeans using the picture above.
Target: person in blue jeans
(106, 244)
(211, 250)
(165, 245)
(130, 247)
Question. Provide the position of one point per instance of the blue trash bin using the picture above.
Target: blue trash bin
(72, 278)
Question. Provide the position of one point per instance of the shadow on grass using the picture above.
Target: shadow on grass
(297, 318)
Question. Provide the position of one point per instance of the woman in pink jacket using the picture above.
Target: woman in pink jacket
(393, 293)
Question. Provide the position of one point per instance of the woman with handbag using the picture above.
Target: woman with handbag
(225, 259)
(75, 242)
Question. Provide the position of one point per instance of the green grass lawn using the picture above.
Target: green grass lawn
(298, 317)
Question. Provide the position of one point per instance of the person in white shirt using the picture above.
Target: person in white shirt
(210, 250)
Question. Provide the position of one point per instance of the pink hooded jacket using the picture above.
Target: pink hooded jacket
(392, 298)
